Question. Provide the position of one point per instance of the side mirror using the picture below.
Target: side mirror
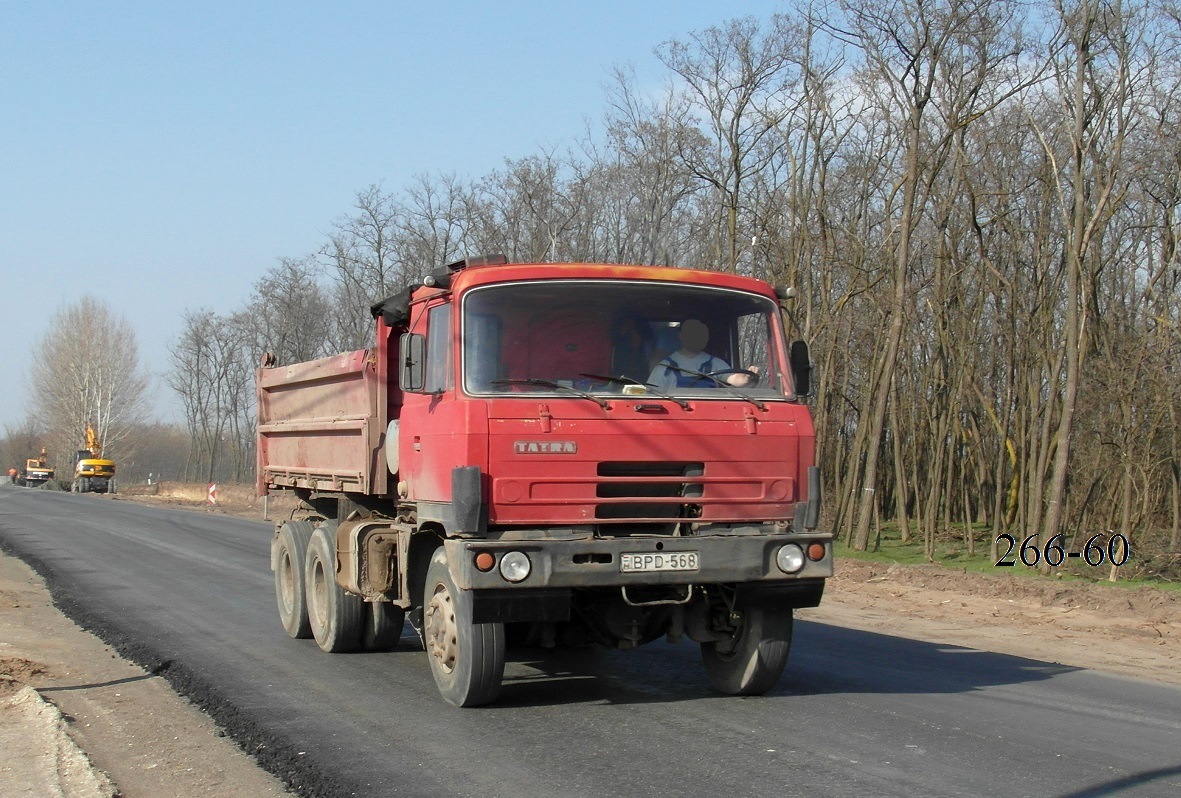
(412, 374)
(800, 360)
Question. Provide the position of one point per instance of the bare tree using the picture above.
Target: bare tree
(208, 374)
(739, 78)
(86, 370)
(362, 256)
(1095, 88)
(20, 442)
(290, 314)
(925, 60)
(433, 228)
(528, 210)
(644, 179)
(158, 452)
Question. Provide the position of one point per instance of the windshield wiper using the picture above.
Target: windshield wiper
(556, 386)
(721, 384)
(629, 381)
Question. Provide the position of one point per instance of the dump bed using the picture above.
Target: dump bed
(321, 425)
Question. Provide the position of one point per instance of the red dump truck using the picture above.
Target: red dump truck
(524, 455)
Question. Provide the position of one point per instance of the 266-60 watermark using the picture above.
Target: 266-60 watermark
(1117, 550)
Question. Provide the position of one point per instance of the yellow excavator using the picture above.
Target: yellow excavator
(37, 471)
(93, 473)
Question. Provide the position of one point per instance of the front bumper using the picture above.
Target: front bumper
(596, 563)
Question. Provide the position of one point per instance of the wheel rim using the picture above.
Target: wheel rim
(319, 593)
(441, 632)
(287, 582)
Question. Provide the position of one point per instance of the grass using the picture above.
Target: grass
(951, 551)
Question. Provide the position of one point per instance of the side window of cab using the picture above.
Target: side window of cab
(439, 360)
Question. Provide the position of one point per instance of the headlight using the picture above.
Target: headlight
(789, 558)
(515, 566)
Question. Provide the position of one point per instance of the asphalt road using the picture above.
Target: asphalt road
(190, 596)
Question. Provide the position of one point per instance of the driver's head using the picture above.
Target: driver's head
(694, 335)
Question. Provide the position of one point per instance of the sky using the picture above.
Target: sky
(162, 156)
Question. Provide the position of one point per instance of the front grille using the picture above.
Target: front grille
(629, 487)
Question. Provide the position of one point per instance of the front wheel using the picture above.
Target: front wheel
(751, 662)
(467, 659)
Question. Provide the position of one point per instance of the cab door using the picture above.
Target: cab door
(439, 429)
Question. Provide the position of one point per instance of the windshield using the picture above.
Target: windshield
(607, 337)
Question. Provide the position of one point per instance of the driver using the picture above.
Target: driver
(694, 335)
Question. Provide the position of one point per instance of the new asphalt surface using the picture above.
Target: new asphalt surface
(190, 596)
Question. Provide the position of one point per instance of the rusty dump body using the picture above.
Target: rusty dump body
(538, 425)
(321, 427)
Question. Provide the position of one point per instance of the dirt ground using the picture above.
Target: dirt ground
(77, 721)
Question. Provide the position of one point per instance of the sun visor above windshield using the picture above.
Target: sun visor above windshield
(395, 309)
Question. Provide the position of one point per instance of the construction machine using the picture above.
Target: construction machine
(92, 472)
(37, 471)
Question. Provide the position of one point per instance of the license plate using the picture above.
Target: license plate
(648, 562)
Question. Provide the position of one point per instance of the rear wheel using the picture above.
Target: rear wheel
(290, 593)
(752, 661)
(336, 616)
(467, 659)
(383, 626)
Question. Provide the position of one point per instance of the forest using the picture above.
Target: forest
(977, 200)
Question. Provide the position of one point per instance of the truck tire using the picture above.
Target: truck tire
(754, 663)
(290, 588)
(467, 659)
(336, 616)
(383, 626)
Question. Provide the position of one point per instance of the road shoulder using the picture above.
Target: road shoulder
(132, 727)
(1131, 632)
